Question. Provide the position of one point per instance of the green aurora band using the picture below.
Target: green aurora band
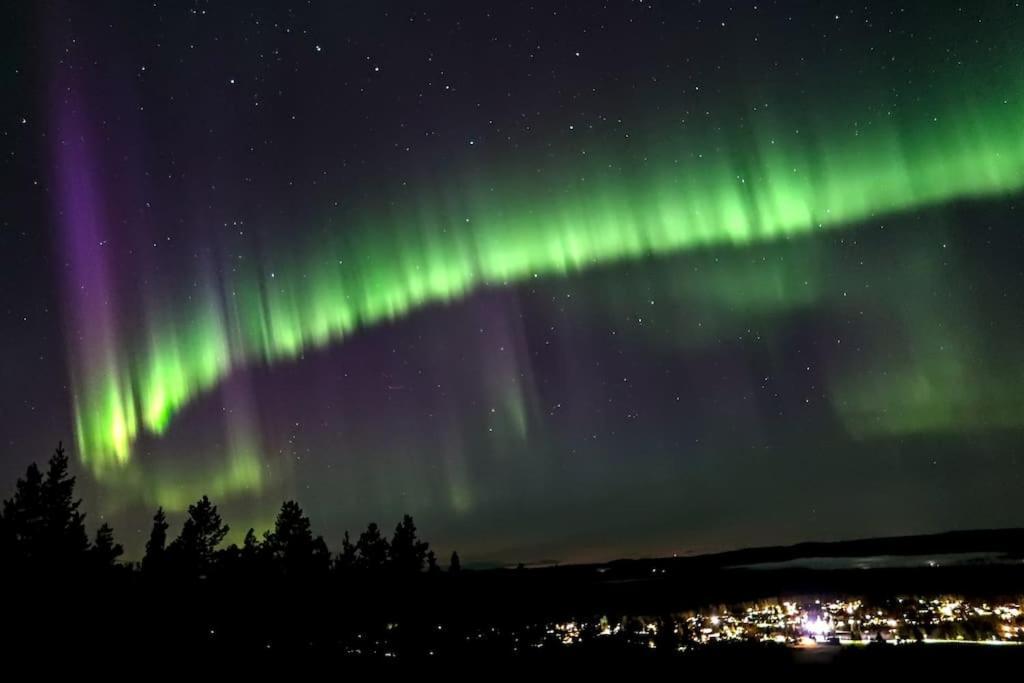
(776, 183)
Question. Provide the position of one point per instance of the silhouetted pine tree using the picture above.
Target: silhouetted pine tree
(407, 554)
(251, 548)
(42, 524)
(193, 551)
(64, 527)
(372, 549)
(104, 550)
(291, 546)
(348, 557)
(432, 566)
(156, 547)
(23, 517)
(455, 564)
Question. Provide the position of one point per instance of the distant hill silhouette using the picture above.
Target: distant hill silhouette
(1007, 541)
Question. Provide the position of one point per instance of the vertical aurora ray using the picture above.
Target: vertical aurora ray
(105, 402)
(780, 181)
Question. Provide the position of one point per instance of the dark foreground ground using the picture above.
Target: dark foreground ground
(492, 614)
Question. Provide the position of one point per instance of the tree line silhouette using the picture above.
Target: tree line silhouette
(285, 591)
(42, 529)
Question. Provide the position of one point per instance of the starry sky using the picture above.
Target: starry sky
(567, 281)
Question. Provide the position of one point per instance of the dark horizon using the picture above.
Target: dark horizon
(285, 591)
(1006, 541)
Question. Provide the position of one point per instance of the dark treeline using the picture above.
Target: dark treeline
(283, 589)
(377, 595)
(42, 530)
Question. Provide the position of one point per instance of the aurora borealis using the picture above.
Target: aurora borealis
(387, 269)
(646, 256)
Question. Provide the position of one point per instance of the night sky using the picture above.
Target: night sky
(566, 281)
